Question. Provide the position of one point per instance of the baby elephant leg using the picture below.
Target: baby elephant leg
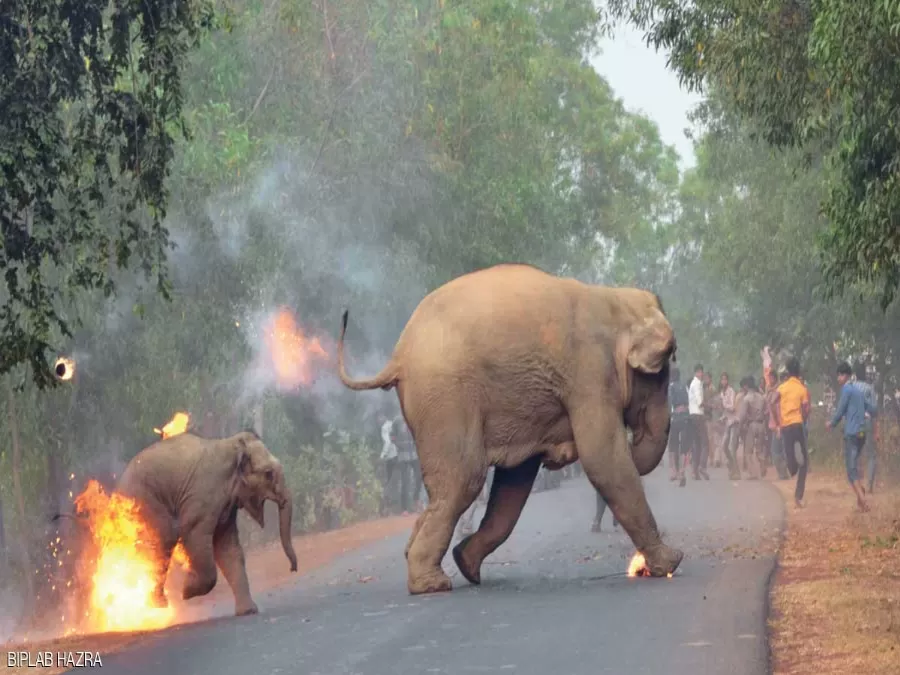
(230, 559)
(201, 578)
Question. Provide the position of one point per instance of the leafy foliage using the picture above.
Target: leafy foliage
(823, 73)
(90, 97)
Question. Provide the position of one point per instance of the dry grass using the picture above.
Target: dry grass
(836, 597)
(266, 567)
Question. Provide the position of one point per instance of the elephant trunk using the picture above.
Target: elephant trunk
(649, 419)
(285, 515)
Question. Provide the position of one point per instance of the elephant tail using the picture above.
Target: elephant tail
(386, 379)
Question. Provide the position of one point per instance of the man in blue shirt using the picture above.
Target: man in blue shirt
(869, 448)
(852, 407)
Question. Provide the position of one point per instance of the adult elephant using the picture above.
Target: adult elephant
(190, 488)
(512, 367)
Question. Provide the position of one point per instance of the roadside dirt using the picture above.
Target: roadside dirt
(267, 569)
(835, 603)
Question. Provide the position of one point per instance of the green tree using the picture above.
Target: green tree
(823, 73)
(89, 101)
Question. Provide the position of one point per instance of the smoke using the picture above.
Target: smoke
(286, 241)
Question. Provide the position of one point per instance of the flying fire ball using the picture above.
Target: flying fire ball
(177, 425)
(64, 368)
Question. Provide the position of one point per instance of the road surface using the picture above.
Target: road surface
(553, 600)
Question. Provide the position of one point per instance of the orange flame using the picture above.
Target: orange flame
(638, 567)
(122, 573)
(291, 351)
(177, 425)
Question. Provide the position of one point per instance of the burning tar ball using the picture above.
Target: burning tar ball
(64, 368)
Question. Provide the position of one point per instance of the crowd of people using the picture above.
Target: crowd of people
(770, 424)
(759, 427)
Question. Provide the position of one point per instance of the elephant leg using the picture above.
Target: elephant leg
(163, 558)
(452, 487)
(229, 556)
(603, 446)
(509, 492)
(201, 579)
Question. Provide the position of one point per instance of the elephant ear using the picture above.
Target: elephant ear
(253, 504)
(645, 347)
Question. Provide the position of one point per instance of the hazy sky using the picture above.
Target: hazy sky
(638, 75)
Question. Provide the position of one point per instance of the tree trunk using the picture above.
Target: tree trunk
(27, 568)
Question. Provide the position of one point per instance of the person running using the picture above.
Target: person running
(752, 417)
(698, 430)
(852, 408)
(869, 450)
(679, 433)
(729, 427)
(793, 410)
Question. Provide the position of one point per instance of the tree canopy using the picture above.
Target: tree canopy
(822, 76)
(89, 101)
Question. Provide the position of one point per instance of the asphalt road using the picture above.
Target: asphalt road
(553, 601)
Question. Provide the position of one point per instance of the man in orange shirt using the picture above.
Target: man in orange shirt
(792, 411)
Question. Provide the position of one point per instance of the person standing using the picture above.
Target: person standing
(407, 461)
(698, 429)
(852, 408)
(712, 409)
(729, 427)
(869, 450)
(793, 410)
(388, 455)
(752, 416)
(679, 433)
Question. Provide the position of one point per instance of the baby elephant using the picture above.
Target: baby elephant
(191, 488)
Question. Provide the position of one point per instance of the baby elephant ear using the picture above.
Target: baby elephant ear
(652, 343)
(242, 458)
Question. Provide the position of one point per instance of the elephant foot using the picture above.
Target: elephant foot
(197, 586)
(246, 609)
(470, 570)
(433, 582)
(663, 560)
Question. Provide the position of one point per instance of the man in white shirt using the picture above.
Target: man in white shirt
(699, 434)
(388, 454)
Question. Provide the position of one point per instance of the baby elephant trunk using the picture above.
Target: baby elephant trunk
(285, 514)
